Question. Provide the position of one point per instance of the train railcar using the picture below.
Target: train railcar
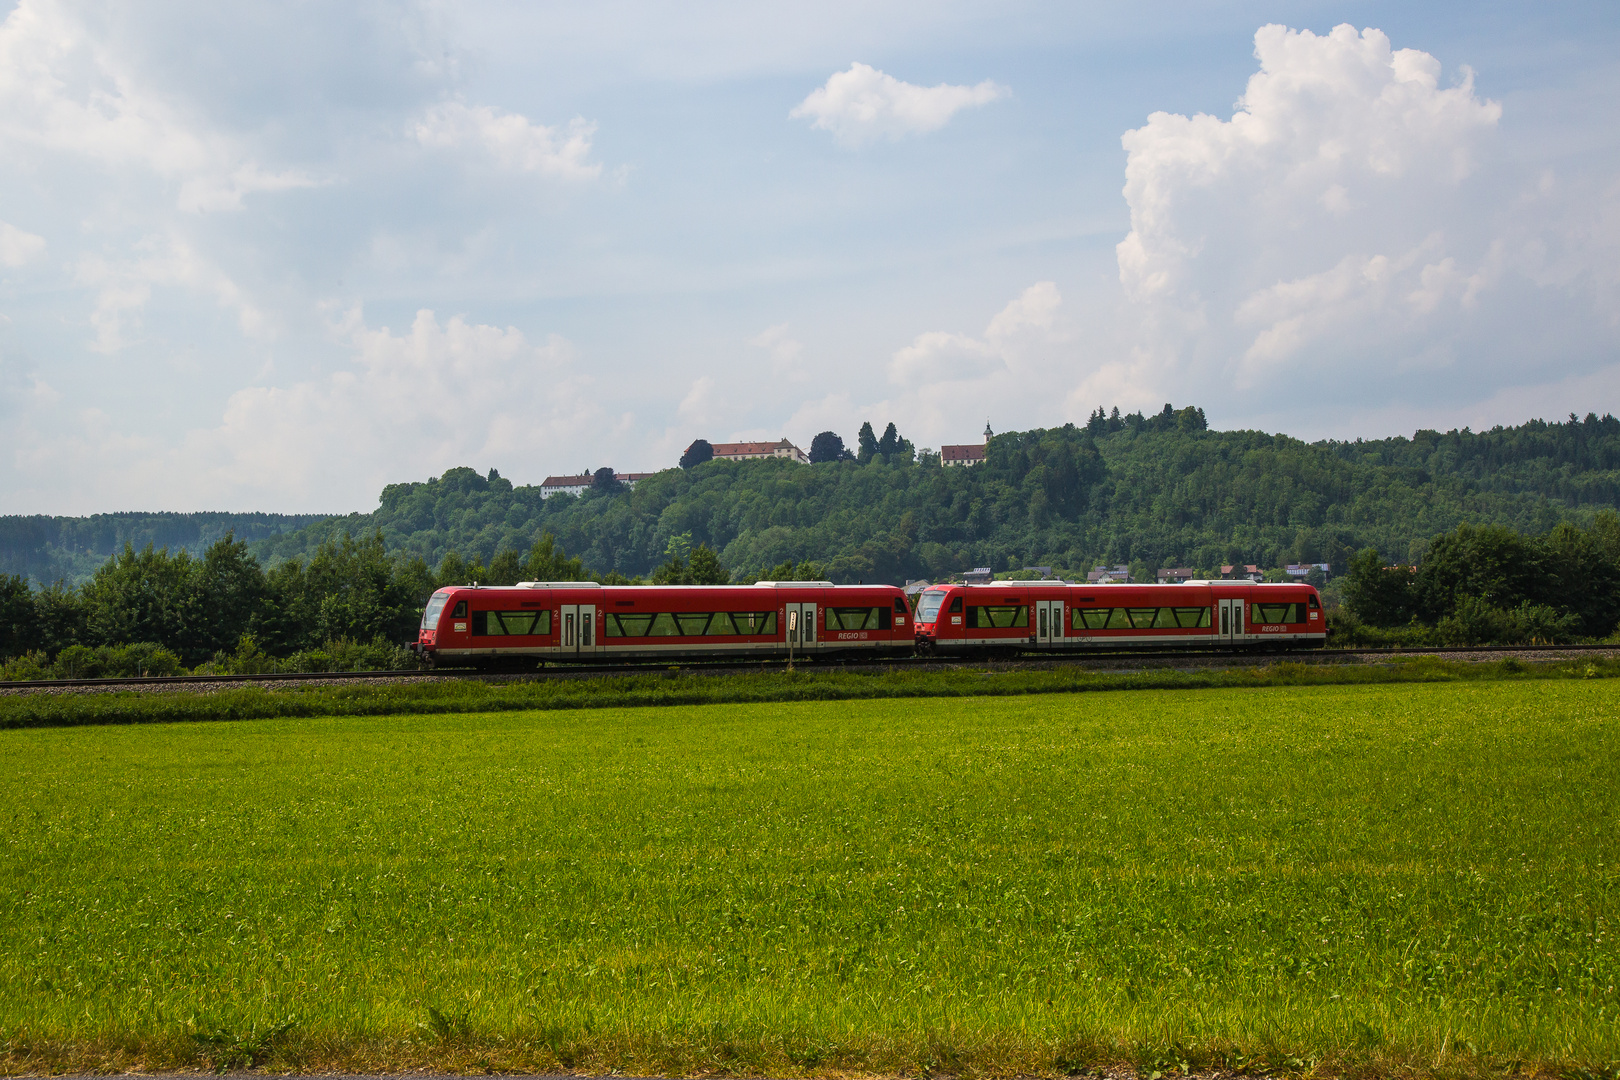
(1055, 616)
(582, 621)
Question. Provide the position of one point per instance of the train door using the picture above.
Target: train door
(1048, 622)
(801, 628)
(1230, 616)
(579, 631)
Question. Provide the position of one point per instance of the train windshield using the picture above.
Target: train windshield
(928, 606)
(435, 607)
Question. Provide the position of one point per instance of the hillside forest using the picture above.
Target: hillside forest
(1407, 524)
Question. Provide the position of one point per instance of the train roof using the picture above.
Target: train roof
(599, 585)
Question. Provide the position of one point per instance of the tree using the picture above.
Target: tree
(1376, 594)
(889, 445)
(144, 595)
(704, 568)
(696, 454)
(229, 588)
(549, 562)
(868, 443)
(17, 634)
(605, 481)
(788, 571)
(827, 446)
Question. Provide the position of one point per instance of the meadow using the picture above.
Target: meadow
(1364, 879)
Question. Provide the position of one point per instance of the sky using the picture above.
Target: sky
(274, 257)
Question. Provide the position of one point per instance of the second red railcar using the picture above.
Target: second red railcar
(1018, 616)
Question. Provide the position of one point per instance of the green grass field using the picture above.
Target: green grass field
(1383, 878)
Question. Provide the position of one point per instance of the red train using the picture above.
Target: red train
(583, 621)
(1009, 616)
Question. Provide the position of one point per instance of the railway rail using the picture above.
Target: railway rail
(915, 663)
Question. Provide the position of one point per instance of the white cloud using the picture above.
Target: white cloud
(944, 356)
(864, 104)
(511, 140)
(407, 406)
(939, 355)
(1354, 213)
(1328, 123)
(18, 247)
(784, 352)
(123, 289)
(63, 90)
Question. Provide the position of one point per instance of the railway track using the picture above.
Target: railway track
(912, 663)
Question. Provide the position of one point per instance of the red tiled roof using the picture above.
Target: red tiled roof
(567, 481)
(733, 449)
(968, 452)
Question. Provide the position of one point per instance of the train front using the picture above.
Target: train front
(427, 636)
(932, 618)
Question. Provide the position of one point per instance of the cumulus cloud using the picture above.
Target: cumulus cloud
(948, 356)
(18, 247)
(62, 90)
(1356, 208)
(864, 104)
(405, 406)
(511, 140)
(784, 352)
(123, 288)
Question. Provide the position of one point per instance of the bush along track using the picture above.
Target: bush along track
(67, 709)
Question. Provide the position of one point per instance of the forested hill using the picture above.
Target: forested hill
(1151, 491)
(70, 549)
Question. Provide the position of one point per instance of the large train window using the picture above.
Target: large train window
(507, 623)
(998, 616)
(1271, 614)
(854, 618)
(688, 624)
(625, 624)
(928, 606)
(1191, 617)
(693, 624)
(1147, 618)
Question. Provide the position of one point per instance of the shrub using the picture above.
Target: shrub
(1476, 622)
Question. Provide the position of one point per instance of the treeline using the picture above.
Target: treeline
(1147, 490)
(1486, 584)
(71, 548)
(353, 605)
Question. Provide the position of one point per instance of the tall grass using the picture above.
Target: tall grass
(1369, 879)
(693, 687)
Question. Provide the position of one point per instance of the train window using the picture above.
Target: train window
(928, 606)
(998, 616)
(900, 606)
(1314, 604)
(510, 623)
(624, 624)
(956, 606)
(693, 623)
(1192, 617)
(435, 607)
(1270, 614)
(755, 622)
(1165, 620)
(720, 624)
(461, 610)
(1090, 618)
(664, 625)
(852, 618)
